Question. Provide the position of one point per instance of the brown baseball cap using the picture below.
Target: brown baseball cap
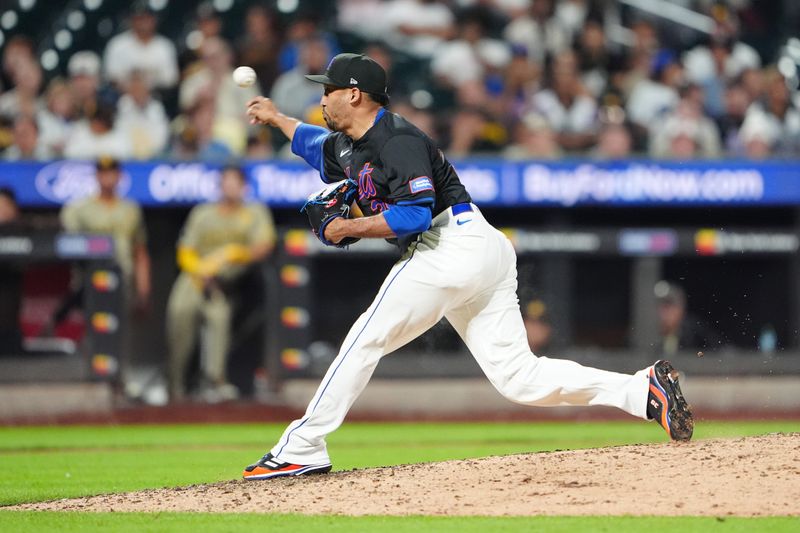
(107, 162)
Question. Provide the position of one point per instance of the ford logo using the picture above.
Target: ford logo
(65, 181)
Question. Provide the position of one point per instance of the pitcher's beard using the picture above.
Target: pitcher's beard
(329, 121)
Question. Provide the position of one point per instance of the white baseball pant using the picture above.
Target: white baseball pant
(463, 269)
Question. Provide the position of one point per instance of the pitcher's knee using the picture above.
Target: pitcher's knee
(519, 382)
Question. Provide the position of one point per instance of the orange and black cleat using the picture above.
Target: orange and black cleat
(666, 404)
(268, 467)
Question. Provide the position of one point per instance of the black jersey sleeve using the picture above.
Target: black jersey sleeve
(335, 158)
(407, 167)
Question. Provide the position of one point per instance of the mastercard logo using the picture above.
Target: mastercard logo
(706, 242)
(293, 359)
(104, 364)
(105, 281)
(294, 276)
(294, 317)
(296, 242)
(105, 322)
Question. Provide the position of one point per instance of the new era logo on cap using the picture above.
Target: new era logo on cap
(353, 70)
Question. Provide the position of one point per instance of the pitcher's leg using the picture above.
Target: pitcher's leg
(494, 332)
(403, 309)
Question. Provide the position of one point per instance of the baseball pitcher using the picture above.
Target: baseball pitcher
(454, 265)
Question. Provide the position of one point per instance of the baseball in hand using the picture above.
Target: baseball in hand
(244, 76)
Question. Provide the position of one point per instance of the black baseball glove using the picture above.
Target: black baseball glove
(331, 202)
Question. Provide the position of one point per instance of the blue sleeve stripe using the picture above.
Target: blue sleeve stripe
(421, 201)
(405, 219)
(307, 142)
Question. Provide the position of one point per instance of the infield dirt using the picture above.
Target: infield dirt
(754, 476)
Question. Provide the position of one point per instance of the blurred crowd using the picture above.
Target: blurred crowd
(521, 79)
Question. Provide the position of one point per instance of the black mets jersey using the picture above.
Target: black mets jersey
(394, 163)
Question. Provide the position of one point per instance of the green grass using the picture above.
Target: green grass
(84, 460)
(136, 522)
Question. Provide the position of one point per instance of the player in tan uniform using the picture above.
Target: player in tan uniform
(219, 240)
(108, 213)
(121, 218)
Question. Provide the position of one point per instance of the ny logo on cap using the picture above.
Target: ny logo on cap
(354, 81)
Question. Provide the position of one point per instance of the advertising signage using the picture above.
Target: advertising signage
(491, 182)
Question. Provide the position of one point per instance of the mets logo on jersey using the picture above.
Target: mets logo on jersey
(366, 187)
(422, 183)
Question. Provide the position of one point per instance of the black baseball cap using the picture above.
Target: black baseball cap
(142, 8)
(353, 70)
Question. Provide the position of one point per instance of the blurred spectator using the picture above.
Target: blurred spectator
(521, 78)
(417, 26)
(475, 126)
(57, 119)
(259, 145)
(754, 83)
(303, 27)
(207, 24)
(568, 107)
(26, 145)
(259, 46)
(678, 329)
(714, 84)
(24, 97)
(537, 326)
(351, 15)
(640, 59)
(10, 279)
(84, 81)
(107, 212)
(194, 135)
(96, 136)
(730, 123)
(16, 52)
(141, 48)
(685, 134)
(219, 240)
(724, 56)
(292, 92)
(772, 126)
(594, 59)
(399, 82)
(142, 118)
(466, 58)
(613, 143)
(714, 66)
(533, 139)
(652, 97)
(421, 118)
(539, 32)
(211, 83)
(572, 14)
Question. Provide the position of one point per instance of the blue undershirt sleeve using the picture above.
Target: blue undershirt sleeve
(406, 219)
(307, 142)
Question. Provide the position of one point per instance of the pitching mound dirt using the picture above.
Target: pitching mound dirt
(752, 476)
